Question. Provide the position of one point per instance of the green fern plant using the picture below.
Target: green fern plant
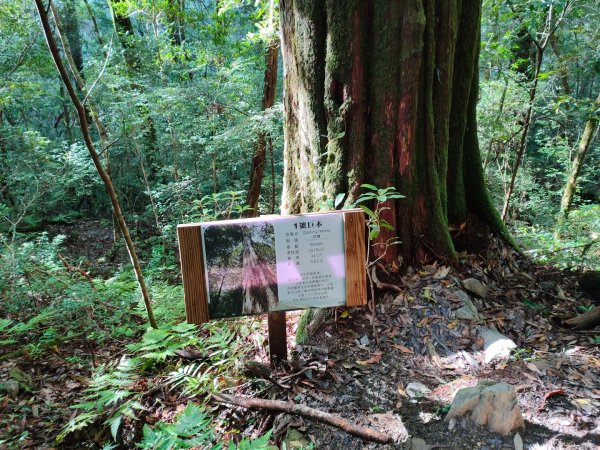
(190, 429)
(193, 429)
(116, 390)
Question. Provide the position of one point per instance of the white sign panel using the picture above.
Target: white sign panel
(275, 263)
(310, 261)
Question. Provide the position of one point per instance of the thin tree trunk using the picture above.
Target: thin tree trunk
(273, 194)
(541, 45)
(95, 25)
(584, 145)
(4, 165)
(71, 31)
(488, 155)
(90, 107)
(124, 28)
(147, 184)
(563, 71)
(215, 178)
(175, 17)
(258, 160)
(523, 141)
(54, 52)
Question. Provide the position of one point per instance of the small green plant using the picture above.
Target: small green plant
(193, 429)
(377, 198)
(116, 390)
(190, 429)
(222, 205)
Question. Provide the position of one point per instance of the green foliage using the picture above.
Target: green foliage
(578, 246)
(193, 429)
(116, 390)
(378, 198)
(560, 111)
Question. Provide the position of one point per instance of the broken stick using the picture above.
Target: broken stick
(586, 320)
(305, 411)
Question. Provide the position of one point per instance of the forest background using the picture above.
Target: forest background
(179, 96)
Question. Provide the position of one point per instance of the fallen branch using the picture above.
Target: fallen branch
(586, 320)
(305, 411)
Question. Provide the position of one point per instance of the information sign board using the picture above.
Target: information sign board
(272, 263)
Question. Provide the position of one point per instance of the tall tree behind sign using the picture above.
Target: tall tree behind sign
(260, 280)
(385, 92)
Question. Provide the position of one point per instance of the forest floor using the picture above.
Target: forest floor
(362, 365)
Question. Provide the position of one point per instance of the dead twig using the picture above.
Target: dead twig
(305, 411)
(293, 375)
(79, 270)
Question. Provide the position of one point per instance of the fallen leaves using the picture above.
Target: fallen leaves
(373, 360)
(402, 348)
(548, 395)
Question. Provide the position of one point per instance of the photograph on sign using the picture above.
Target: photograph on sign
(274, 264)
(240, 268)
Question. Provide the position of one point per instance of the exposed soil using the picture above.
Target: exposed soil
(360, 365)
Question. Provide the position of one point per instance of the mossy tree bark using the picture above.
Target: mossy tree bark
(386, 93)
(584, 145)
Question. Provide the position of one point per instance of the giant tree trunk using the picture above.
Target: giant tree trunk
(584, 145)
(385, 92)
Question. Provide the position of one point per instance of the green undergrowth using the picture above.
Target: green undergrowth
(577, 247)
(47, 307)
(118, 388)
(193, 429)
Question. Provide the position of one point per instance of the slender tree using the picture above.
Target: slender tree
(268, 100)
(550, 26)
(385, 92)
(81, 113)
(584, 145)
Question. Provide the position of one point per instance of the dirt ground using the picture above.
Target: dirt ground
(359, 365)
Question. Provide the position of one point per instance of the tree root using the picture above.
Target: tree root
(305, 411)
(381, 284)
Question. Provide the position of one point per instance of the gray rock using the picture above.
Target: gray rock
(12, 388)
(490, 404)
(390, 424)
(496, 346)
(417, 389)
(417, 443)
(468, 311)
(476, 287)
(518, 441)
(364, 341)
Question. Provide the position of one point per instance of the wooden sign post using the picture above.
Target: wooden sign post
(273, 264)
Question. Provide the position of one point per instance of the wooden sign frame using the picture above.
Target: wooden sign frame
(195, 284)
